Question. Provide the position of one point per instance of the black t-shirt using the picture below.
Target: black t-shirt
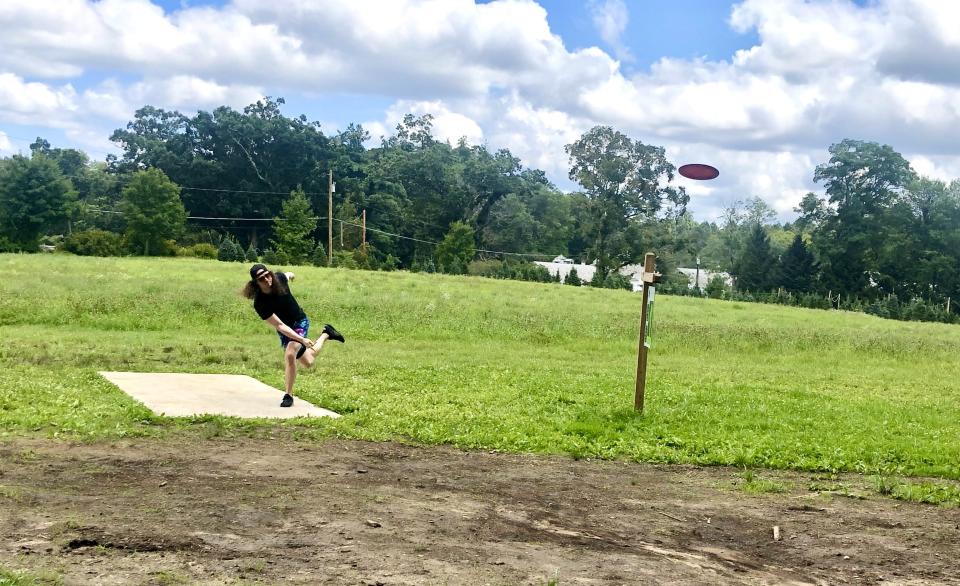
(285, 306)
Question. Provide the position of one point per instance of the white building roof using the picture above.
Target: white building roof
(585, 272)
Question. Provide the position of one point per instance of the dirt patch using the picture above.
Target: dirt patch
(242, 510)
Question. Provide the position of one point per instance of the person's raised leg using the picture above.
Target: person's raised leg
(310, 355)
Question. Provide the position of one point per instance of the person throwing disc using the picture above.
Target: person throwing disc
(276, 305)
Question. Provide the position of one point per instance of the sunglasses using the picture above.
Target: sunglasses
(263, 277)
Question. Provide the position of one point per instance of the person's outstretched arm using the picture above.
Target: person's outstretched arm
(287, 331)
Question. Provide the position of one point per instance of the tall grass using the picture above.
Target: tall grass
(489, 364)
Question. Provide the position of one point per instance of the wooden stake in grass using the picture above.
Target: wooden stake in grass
(649, 277)
(330, 219)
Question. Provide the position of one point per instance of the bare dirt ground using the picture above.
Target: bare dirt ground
(277, 510)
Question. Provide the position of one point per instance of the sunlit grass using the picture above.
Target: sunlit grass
(24, 578)
(488, 364)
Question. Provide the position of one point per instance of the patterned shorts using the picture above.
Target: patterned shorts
(302, 327)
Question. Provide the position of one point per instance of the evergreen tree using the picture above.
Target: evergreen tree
(154, 213)
(599, 278)
(292, 228)
(319, 256)
(456, 249)
(617, 281)
(251, 255)
(756, 267)
(230, 250)
(573, 278)
(270, 257)
(797, 267)
(34, 198)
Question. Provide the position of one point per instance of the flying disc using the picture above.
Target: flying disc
(698, 171)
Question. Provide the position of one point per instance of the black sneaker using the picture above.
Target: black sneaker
(287, 401)
(333, 333)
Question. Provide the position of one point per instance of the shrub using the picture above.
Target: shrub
(617, 281)
(716, 288)
(344, 259)
(598, 279)
(319, 256)
(94, 243)
(484, 268)
(230, 251)
(280, 258)
(7, 245)
(204, 250)
(199, 250)
(390, 263)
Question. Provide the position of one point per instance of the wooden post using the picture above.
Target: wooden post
(341, 234)
(364, 233)
(330, 219)
(948, 305)
(650, 277)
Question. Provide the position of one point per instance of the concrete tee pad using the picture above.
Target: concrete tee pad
(234, 395)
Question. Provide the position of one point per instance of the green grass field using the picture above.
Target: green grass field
(488, 364)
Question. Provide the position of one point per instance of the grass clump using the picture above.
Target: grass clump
(752, 483)
(10, 577)
(945, 495)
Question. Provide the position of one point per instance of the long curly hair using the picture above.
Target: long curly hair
(251, 288)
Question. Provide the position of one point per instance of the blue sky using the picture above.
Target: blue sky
(684, 29)
(758, 88)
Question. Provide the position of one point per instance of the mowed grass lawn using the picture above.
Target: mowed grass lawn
(489, 364)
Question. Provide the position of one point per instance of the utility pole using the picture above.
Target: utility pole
(330, 219)
(364, 233)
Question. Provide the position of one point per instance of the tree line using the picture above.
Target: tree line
(254, 184)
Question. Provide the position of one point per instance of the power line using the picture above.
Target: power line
(431, 242)
(220, 218)
(437, 243)
(17, 137)
(249, 191)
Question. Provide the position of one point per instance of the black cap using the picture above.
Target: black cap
(256, 269)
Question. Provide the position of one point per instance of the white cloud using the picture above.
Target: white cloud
(808, 39)
(192, 93)
(536, 134)
(448, 125)
(6, 147)
(779, 178)
(23, 102)
(610, 18)
(935, 167)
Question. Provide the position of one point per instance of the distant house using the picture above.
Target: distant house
(635, 274)
(564, 265)
(704, 277)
